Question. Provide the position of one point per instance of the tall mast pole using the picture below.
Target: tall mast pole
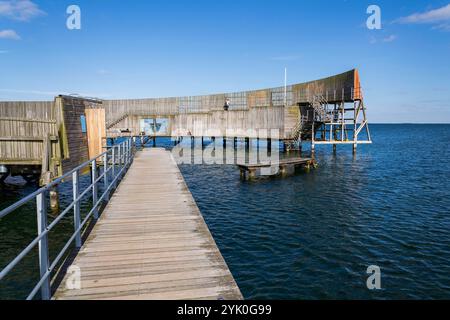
(285, 87)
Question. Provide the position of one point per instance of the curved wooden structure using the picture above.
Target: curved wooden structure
(48, 137)
(269, 109)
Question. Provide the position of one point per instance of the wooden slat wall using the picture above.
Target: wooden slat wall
(238, 122)
(194, 112)
(25, 120)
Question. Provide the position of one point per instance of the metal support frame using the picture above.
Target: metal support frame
(338, 123)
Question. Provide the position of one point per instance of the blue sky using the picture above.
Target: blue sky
(134, 49)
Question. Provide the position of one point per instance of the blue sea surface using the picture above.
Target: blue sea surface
(311, 235)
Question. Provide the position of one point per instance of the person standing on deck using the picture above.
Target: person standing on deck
(227, 105)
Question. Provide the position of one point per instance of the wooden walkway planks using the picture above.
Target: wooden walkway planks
(151, 242)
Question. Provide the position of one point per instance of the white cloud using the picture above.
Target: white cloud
(22, 10)
(432, 16)
(391, 38)
(9, 34)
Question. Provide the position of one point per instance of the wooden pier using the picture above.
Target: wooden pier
(151, 242)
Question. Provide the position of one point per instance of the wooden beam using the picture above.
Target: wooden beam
(38, 139)
(26, 120)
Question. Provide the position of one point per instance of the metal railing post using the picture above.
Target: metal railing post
(105, 175)
(113, 162)
(122, 154)
(76, 208)
(120, 159)
(94, 188)
(44, 263)
(127, 152)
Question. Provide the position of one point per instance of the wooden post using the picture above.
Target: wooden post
(243, 174)
(251, 174)
(283, 170)
(54, 198)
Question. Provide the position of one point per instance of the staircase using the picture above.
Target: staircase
(319, 104)
(303, 130)
(298, 129)
(122, 117)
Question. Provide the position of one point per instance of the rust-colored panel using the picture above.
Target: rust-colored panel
(96, 130)
(357, 85)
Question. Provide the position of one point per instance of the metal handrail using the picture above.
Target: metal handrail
(120, 155)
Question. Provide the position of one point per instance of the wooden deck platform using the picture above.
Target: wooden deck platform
(151, 242)
(282, 167)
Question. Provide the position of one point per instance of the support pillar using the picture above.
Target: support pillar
(54, 199)
(252, 174)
